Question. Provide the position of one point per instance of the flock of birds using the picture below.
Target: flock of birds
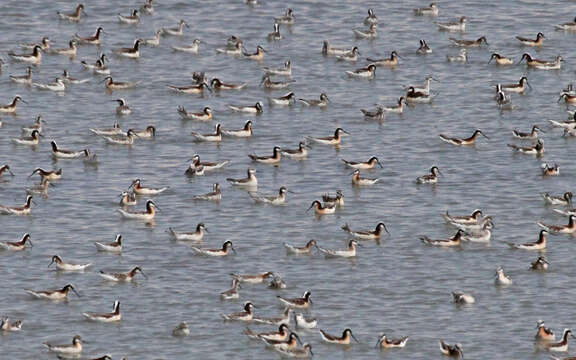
(475, 227)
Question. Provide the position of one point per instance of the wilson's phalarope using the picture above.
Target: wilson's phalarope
(280, 335)
(234, 49)
(367, 234)
(463, 141)
(328, 50)
(464, 219)
(286, 19)
(537, 245)
(569, 26)
(114, 130)
(362, 181)
(70, 51)
(17, 210)
(147, 8)
(193, 48)
(301, 353)
(181, 330)
(454, 241)
(345, 339)
(469, 43)
(283, 100)
(423, 49)
(23, 79)
(106, 317)
(147, 215)
(90, 40)
(113, 247)
(258, 55)
(224, 251)
(537, 149)
(249, 181)
(128, 199)
(303, 323)
(121, 139)
(37, 125)
(122, 108)
(351, 55)
(279, 199)
(216, 136)
(133, 52)
(99, 63)
(480, 235)
(363, 165)
(248, 109)
(322, 209)
(561, 346)
(39, 189)
(459, 25)
(58, 294)
(58, 85)
(531, 42)
(67, 154)
(330, 140)
(112, 85)
(275, 35)
(568, 98)
(62, 266)
(377, 114)
(391, 61)
(386, 343)
(430, 10)
(297, 303)
(398, 108)
(208, 166)
(252, 279)
(570, 228)
(322, 102)
(148, 133)
(451, 350)
(543, 333)
(274, 85)
(6, 168)
(11, 108)
(426, 87)
(501, 278)
(542, 64)
(517, 88)
(48, 175)
(300, 250)
(69, 349)
(364, 73)
(7, 325)
(532, 135)
(461, 298)
(246, 131)
(44, 44)
(550, 170)
(31, 140)
(175, 31)
(564, 200)
(205, 115)
(500, 60)
(155, 41)
(283, 71)
(122, 277)
(75, 16)
(231, 293)
(462, 57)
(131, 19)
(418, 97)
(277, 321)
(138, 189)
(16, 245)
(34, 58)
(273, 159)
(66, 78)
(540, 264)
(370, 33)
(347, 252)
(218, 85)
(291, 342)
(371, 18)
(197, 235)
(569, 125)
(431, 178)
(337, 200)
(246, 315)
(277, 283)
(99, 68)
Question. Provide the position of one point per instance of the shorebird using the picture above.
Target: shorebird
(451, 350)
(114, 316)
(345, 339)
(74, 16)
(463, 141)
(58, 294)
(16, 245)
(69, 349)
(122, 277)
(385, 343)
(63, 266)
(297, 303)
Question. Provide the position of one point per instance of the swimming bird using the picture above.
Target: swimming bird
(453, 241)
(75, 16)
(280, 335)
(67, 154)
(128, 199)
(350, 56)
(114, 130)
(216, 84)
(181, 330)
(348, 252)
(330, 200)
(283, 100)
(451, 350)
(469, 43)
(131, 19)
(377, 114)
(274, 85)
(138, 189)
(37, 125)
(300, 353)
(366, 72)
(8, 326)
(431, 178)
(114, 316)
(18, 210)
(113, 247)
(462, 57)
(246, 315)
(197, 235)
(58, 294)
(322, 209)
(501, 278)
(48, 175)
(517, 88)
(44, 44)
(6, 168)
(98, 64)
(275, 35)
(461, 298)
(249, 181)
(122, 139)
(68, 349)
(130, 52)
(430, 10)
(34, 58)
(122, 277)
(246, 131)
(175, 31)
(67, 79)
(231, 293)
(286, 19)
(328, 50)
(286, 70)
(371, 18)
(418, 97)
(330, 140)
(208, 166)
(423, 49)
(543, 333)
(70, 51)
(564, 200)
(561, 346)
(90, 40)
(367, 234)
(345, 339)
(205, 115)
(570, 228)
(568, 98)
(122, 108)
(62, 266)
(463, 141)
(234, 49)
(370, 33)
(322, 102)
(31, 140)
(386, 343)
(147, 8)
(16, 245)
(297, 303)
(249, 109)
(300, 250)
(398, 108)
(568, 26)
(479, 235)
(216, 136)
(273, 159)
(252, 279)
(532, 42)
(540, 244)
(536, 149)
(258, 55)
(227, 247)
(277, 321)
(112, 85)
(155, 41)
(23, 79)
(459, 25)
(291, 342)
(362, 181)
(363, 165)
(58, 85)
(147, 215)
(556, 64)
(279, 199)
(540, 264)
(11, 108)
(500, 59)
(532, 135)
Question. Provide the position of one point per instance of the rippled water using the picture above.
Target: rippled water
(399, 286)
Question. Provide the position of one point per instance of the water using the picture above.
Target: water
(399, 287)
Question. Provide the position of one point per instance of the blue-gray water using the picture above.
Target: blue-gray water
(399, 287)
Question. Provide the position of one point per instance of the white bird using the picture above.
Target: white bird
(113, 247)
(114, 316)
(68, 349)
(348, 252)
(501, 278)
(62, 266)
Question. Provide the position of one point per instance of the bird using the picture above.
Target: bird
(297, 303)
(532, 42)
(469, 43)
(16, 245)
(500, 59)
(114, 316)
(345, 339)
(75, 16)
(122, 277)
(181, 330)
(367, 234)
(113, 247)
(570, 228)
(543, 333)
(57, 294)
(431, 178)
(196, 235)
(451, 350)
(459, 25)
(348, 252)
(453, 241)
(330, 140)
(463, 141)
(501, 278)
(68, 349)
(462, 298)
(246, 315)
(537, 149)
(386, 343)
(226, 249)
(63, 266)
